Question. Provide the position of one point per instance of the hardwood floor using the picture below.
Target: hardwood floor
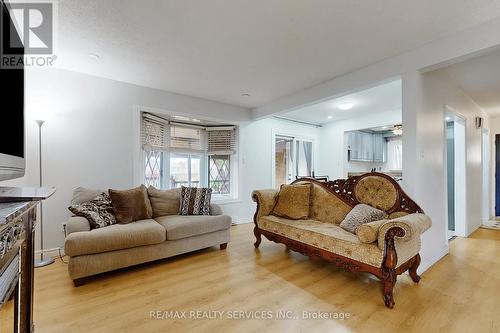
(458, 294)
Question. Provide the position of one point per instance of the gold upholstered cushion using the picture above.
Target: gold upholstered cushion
(326, 236)
(294, 202)
(377, 192)
(326, 206)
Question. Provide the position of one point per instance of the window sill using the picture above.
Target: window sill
(222, 201)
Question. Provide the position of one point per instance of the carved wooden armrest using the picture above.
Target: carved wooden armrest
(412, 225)
(265, 200)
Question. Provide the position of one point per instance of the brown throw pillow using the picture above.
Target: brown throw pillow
(195, 201)
(294, 202)
(164, 202)
(131, 205)
(359, 215)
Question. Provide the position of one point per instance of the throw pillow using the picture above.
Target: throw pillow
(368, 232)
(294, 202)
(359, 215)
(82, 195)
(164, 202)
(98, 211)
(195, 201)
(131, 205)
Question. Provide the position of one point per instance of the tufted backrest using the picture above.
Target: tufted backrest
(332, 200)
(377, 192)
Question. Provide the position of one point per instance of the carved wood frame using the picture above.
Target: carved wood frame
(387, 273)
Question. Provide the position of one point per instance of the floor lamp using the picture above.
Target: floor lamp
(42, 261)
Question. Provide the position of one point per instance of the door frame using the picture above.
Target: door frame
(295, 137)
(461, 229)
(486, 180)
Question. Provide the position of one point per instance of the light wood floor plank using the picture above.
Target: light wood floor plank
(458, 294)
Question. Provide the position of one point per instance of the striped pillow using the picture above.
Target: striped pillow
(195, 201)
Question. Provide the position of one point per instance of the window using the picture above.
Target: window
(152, 168)
(395, 153)
(292, 159)
(184, 170)
(178, 155)
(219, 172)
(221, 148)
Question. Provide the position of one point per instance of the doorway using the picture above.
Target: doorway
(486, 174)
(293, 158)
(497, 175)
(455, 147)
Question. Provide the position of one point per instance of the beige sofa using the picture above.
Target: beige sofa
(385, 248)
(121, 245)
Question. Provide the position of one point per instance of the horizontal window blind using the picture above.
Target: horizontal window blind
(158, 134)
(186, 138)
(154, 133)
(221, 140)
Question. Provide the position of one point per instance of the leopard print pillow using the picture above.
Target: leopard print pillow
(98, 211)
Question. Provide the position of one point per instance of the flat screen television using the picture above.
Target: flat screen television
(12, 83)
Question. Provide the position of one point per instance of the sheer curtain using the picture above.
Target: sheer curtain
(395, 153)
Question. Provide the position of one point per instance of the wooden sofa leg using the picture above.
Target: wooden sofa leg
(223, 246)
(413, 269)
(388, 283)
(389, 265)
(257, 237)
(79, 282)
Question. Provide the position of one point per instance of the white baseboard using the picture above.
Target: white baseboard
(54, 252)
(428, 262)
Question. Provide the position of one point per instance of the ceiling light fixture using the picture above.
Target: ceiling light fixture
(330, 117)
(398, 130)
(94, 56)
(345, 106)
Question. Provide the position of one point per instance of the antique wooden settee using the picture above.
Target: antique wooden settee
(386, 249)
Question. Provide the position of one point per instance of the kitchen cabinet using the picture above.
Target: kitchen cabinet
(366, 146)
(379, 148)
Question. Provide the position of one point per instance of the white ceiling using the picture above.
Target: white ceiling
(480, 78)
(220, 49)
(385, 97)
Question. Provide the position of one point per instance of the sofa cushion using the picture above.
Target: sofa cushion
(164, 202)
(180, 226)
(114, 237)
(98, 211)
(326, 236)
(195, 201)
(82, 194)
(294, 202)
(131, 205)
(376, 191)
(359, 215)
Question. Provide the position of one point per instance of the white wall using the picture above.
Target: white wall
(431, 92)
(332, 153)
(88, 139)
(256, 142)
